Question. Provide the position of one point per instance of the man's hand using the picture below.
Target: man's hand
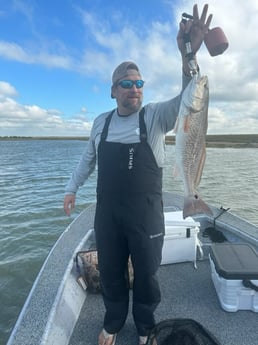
(69, 203)
(196, 27)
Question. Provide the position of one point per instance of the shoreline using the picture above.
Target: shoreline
(221, 141)
(224, 140)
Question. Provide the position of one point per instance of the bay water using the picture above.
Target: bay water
(33, 175)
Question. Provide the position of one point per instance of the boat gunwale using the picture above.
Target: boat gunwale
(53, 291)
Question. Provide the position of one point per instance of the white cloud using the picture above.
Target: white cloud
(13, 51)
(233, 75)
(31, 120)
(7, 89)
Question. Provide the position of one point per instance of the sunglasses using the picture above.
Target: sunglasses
(128, 84)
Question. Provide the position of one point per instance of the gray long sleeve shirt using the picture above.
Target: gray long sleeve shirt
(159, 117)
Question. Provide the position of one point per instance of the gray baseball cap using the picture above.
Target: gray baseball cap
(122, 71)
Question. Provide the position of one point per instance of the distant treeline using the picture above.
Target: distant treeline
(226, 140)
(230, 140)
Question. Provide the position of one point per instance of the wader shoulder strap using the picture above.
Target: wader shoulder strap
(143, 130)
(106, 125)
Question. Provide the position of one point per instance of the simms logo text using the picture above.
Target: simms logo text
(131, 156)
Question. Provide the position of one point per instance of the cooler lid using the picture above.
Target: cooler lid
(175, 218)
(235, 261)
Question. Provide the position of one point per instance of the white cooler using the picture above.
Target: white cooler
(234, 272)
(181, 239)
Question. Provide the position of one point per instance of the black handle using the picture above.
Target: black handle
(248, 284)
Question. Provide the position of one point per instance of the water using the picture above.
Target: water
(33, 175)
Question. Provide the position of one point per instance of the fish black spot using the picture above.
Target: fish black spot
(196, 196)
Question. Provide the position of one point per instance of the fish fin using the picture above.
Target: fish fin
(194, 205)
(200, 167)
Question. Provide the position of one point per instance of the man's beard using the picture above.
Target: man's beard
(132, 107)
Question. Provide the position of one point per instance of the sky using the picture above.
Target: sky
(57, 58)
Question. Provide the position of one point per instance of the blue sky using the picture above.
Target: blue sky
(57, 57)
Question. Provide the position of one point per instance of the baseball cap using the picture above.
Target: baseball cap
(122, 71)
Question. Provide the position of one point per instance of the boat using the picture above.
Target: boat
(58, 311)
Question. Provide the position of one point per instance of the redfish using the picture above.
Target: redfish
(191, 129)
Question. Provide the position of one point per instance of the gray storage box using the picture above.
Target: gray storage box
(234, 270)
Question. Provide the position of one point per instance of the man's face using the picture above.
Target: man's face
(128, 100)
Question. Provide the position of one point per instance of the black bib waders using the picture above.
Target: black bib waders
(129, 221)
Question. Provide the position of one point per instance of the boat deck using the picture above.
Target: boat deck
(187, 293)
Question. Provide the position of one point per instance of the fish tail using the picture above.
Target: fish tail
(194, 205)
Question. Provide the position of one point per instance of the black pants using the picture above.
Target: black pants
(129, 226)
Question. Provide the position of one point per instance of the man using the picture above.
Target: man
(128, 145)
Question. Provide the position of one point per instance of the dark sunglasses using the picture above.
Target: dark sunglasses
(128, 84)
